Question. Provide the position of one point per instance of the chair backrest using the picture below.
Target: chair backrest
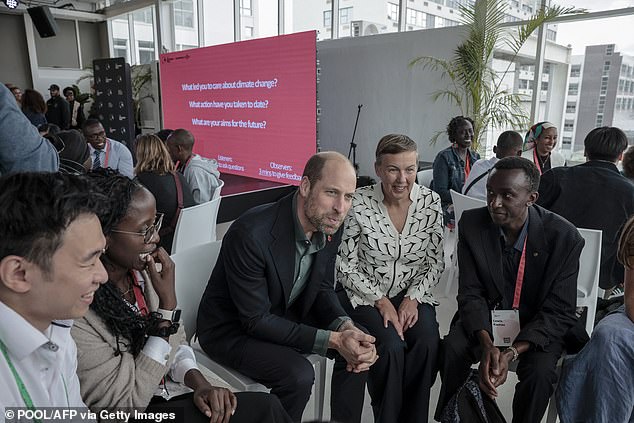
(196, 225)
(193, 268)
(218, 189)
(424, 177)
(588, 279)
(462, 202)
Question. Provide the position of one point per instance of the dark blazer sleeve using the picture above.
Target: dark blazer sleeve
(557, 312)
(549, 189)
(245, 263)
(473, 306)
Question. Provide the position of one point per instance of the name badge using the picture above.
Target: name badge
(506, 326)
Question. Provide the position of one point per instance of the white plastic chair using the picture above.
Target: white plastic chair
(424, 177)
(196, 225)
(218, 189)
(588, 280)
(461, 203)
(193, 268)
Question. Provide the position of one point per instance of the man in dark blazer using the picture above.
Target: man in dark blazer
(493, 243)
(271, 296)
(594, 195)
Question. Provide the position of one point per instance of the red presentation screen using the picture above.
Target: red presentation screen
(250, 105)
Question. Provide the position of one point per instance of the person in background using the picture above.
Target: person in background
(596, 384)
(131, 347)
(156, 171)
(17, 93)
(75, 156)
(34, 107)
(58, 111)
(509, 144)
(453, 164)
(50, 244)
(388, 278)
(201, 173)
(594, 195)
(22, 149)
(539, 145)
(106, 152)
(628, 163)
(77, 116)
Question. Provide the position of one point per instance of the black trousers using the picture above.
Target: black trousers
(400, 381)
(253, 407)
(536, 372)
(290, 376)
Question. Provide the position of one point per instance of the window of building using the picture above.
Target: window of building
(618, 103)
(527, 8)
(571, 107)
(144, 15)
(430, 21)
(392, 11)
(599, 121)
(328, 18)
(544, 85)
(120, 46)
(184, 13)
(566, 141)
(609, 49)
(345, 15)
(621, 84)
(248, 32)
(606, 67)
(573, 89)
(575, 70)
(181, 47)
(246, 8)
(146, 51)
(551, 35)
(569, 125)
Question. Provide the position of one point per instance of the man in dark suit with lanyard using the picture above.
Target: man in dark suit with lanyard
(517, 292)
(271, 296)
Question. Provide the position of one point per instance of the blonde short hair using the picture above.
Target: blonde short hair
(152, 155)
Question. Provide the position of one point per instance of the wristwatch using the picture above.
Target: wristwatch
(164, 331)
(172, 315)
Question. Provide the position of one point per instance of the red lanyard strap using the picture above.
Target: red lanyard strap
(139, 297)
(536, 160)
(519, 281)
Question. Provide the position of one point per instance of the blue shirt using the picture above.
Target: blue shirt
(119, 157)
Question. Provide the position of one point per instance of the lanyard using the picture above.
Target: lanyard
(105, 163)
(467, 166)
(519, 281)
(138, 295)
(24, 393)
(536, 160)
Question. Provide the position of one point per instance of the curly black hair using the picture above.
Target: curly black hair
(128, 326)
(452, 127)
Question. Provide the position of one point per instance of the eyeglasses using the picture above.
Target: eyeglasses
(96, 136)
(149, 233)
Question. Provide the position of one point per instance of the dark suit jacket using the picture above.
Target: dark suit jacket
(548, 300)
(247, 295)
(593, 195)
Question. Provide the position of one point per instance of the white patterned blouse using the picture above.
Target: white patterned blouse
(375, 260)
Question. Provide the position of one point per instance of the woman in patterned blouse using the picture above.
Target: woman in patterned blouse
(390, 257)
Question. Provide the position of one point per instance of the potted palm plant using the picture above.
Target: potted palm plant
(473, 85)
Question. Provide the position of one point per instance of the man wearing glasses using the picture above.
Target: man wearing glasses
(105, 152)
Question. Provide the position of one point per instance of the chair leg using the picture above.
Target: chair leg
(320, 387)
(551, 414)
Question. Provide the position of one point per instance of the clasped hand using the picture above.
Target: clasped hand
(356, 347)
(493, 370)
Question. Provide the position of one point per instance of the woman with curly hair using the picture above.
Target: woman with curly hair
(453, 164)
(132, 351)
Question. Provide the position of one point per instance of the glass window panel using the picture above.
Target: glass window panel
(218, 18)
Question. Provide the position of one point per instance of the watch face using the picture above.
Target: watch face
(176, 316)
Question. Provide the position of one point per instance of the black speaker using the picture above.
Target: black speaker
(43, 21)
